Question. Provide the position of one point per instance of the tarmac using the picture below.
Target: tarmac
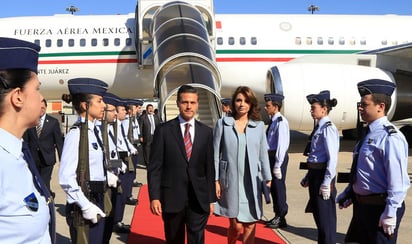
(301, 227)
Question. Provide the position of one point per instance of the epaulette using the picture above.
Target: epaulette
(391, 129)
(76, 125)
(280, 118)
(329, 123)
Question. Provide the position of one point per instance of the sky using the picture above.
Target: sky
(16, 8)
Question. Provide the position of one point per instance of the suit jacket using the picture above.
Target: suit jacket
(50, 139)
(170, 172)
(145, 127)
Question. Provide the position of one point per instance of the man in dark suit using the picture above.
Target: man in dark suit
(181, 173)
(43, 140)
(148, 123)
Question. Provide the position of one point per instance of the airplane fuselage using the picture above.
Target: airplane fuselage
(247, 46)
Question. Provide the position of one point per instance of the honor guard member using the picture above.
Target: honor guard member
(226, 109)
(133, 132)
(379, 177)
(83, 177)
(26, 207)
(126, 151)
(278, 142)
(322, 153)
(112, 101)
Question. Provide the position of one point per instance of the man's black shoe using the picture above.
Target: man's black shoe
(137, 184)
(131, 201)
(277, 222)
(121, 228)
(266, 222)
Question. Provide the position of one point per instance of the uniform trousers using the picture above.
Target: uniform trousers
(364, 227)
(96, 231)
(120, 199)
(278, 187)
(324, 211)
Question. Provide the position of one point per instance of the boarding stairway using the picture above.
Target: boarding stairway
(180, 36)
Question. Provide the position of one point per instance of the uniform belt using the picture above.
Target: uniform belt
(378, 199)
(316, 166)
(271, 152)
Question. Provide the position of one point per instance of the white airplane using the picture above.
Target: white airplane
(164, 44)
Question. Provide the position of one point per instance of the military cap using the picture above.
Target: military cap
(376, 86)
(225, 101)
(110, 98)
(322, 96)
(18, 54)
(135, 102)
(274, 97)
(87, 86)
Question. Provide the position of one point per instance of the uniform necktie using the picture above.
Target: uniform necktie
(307, 148)
(267, 129)
(354, 167)
(188, 141)
(41, 187)
(39, 128)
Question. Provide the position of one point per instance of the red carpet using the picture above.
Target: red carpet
(147, 228)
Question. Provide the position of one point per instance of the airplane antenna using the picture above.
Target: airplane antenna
(312, 8)
(72, 9)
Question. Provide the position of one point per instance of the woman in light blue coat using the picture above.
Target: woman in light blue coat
(241, 164)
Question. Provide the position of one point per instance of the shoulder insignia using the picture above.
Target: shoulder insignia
(76, 125)
(391, 129)
(280, 118)
(329, 123)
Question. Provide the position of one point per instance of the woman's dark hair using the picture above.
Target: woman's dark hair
(13, 78)
(76, 100)
(329, 104)
(254, 111)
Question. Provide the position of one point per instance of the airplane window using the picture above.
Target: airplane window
(242, 41)
(394, 42)
(71, 42)
(128, 42)
(219, 41)
(48, 43)
(82, 42)
(231, 41)
(342, 41)
(384, 42)
(320, 41)
(363, 42)
(308, 40)
(253, 40)
(37, 41)
(117, 41)
(94, 42)
(298, 41)
(331, 41)
(352, 41)
(105, 42)
(59, 42)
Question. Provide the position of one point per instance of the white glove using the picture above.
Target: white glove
(304, 182)
(91, 211)
(277, 173)
(124, 168)
(112, 179)
(388, 224)
(346, 203)
(324, 190)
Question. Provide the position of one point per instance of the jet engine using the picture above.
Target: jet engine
(297, 80)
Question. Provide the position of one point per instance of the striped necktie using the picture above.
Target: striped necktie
(188, 141)
(38, 128)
